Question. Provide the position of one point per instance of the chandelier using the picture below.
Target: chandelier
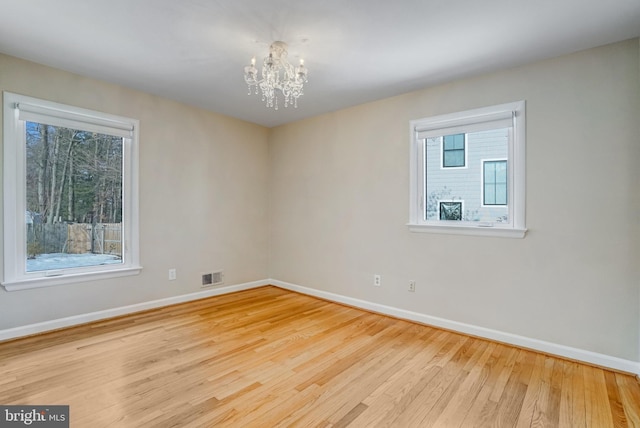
(278, 75)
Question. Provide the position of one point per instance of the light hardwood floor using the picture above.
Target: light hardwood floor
(269, 357)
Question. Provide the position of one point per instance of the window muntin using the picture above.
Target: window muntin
(494, 133)
(57, 160)
(494, 182)
(453, 151)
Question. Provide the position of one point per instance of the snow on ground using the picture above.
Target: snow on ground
(65, 261)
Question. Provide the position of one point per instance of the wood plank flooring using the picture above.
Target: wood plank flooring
(269, 357)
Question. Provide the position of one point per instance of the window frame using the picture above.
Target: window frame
(443, 151)
(14, 275)
(484, 183)
(457, 122)
(451, 201)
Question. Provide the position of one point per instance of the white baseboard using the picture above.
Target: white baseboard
(498, 336)
(42, 327)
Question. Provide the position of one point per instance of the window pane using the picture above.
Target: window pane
(454, 158)
(501, 194)
(453, 142)
(489, 194)
(74, 198)
(501, 171)
(448, 143)
(489, 172)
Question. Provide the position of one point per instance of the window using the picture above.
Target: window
(494, 175)
(467, 172)
(453, 153)
(450, 210)
(70, 194)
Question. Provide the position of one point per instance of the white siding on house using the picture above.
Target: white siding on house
(465, 184)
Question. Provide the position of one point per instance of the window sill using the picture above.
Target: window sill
(501, 232)
(26, 284)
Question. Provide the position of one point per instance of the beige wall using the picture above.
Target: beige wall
(339, 205)
(203, 197)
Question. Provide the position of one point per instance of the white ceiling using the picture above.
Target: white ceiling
(194, 51)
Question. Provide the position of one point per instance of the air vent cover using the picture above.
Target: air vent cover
(211, 279)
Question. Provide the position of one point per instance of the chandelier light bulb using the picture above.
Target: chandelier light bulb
(279, 79)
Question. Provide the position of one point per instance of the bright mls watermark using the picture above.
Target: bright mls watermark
(34, 416)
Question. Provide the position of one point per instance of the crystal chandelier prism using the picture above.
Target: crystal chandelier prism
(278, 77)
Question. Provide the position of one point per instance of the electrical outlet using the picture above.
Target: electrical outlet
(172, 274)
(412, 286)
(377, 280)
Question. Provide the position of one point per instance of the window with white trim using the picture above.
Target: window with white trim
(450, 210)
(476, 156)
(494, 182)
(70, 194)
(453, 151)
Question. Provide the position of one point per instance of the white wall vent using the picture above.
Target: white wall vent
(211, 279)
